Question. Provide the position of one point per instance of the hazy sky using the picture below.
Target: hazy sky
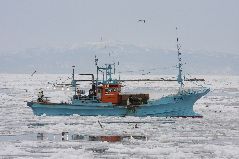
(211, 25)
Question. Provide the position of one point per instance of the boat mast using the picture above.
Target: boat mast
(73, 79)
(97, 74)
(179, 78)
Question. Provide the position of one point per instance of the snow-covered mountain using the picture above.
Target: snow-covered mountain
(132, 59)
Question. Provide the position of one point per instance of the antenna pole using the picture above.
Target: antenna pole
(97, 73)
(73, 79)
(179, 78)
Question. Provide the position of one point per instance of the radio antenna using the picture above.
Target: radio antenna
(179, 78)
(96, 60)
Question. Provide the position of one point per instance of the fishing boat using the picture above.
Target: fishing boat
(106, 99)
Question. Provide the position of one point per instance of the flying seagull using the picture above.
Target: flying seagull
(142, 20)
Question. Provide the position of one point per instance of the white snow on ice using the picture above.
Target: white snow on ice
(216, 135)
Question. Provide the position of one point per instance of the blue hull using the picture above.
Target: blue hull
(174, 105)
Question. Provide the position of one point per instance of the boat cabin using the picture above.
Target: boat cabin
(109, 93)
(108, 90)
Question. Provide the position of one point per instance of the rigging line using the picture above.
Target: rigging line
(196, 82)
(204, 82)
(163, 68)
(66, 79)
(150, 70)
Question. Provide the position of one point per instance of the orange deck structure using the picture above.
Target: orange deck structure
(109, 93)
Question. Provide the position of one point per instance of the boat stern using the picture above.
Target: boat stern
(30, 104)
